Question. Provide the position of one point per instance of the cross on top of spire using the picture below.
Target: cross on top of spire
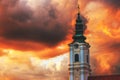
(78, 7)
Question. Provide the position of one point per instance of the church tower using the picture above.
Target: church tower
(79, 66)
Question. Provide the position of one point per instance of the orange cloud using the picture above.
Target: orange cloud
(31, 33)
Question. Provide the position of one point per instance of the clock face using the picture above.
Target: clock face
(76, 46)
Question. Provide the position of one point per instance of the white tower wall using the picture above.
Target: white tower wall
(79, 70)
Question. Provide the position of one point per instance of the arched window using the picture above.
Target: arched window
(76, 58)
(87, 56)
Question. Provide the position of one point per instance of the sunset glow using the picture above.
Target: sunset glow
(34, 37)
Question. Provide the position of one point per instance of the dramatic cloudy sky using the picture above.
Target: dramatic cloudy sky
(34, 37)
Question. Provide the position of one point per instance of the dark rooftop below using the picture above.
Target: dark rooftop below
(105, 77)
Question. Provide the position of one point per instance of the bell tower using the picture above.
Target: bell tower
(79, 66)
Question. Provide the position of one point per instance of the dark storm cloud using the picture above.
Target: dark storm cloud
(112, 3)
(7, 3)
(116, 68)
(21, 25)
(85, 21)
(49, 37)
(113, 46)
(52, 13)
(21, 15)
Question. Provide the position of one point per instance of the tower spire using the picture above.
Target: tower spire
(79, 28)
(79, 67)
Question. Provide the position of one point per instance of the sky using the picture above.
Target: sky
(34, 37)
